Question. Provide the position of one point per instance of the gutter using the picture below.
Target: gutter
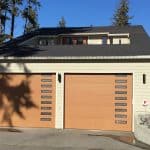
(75, 57)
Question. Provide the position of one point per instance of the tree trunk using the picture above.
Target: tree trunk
(12, 19)
(26, 19)
(12, 25)
(5, 21)
(0, 27)
(0, 23)
(25, 26)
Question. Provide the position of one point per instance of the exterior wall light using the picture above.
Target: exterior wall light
(144, 78)
(59, 77)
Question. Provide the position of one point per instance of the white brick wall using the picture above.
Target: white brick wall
(141, 91)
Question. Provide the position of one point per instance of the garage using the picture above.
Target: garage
(98, 101)
(27, 100)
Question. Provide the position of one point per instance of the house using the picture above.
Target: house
(76, 78)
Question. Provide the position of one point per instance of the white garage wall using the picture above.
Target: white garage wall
(141, 91)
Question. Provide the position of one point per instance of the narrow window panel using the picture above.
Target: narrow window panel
(46, 85)
(46, 96)
(46, 80)
(120, 104)
(46, 108)
(121, 75)
(46, 113)
(120, 110)
(45, 119)
(120, 122)
(46, 91)
(120, 92)
(46, 102)
(120, 81)
(120, 98)
(120, 116)
(121, 87)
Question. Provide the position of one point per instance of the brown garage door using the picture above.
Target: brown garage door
(98, 101)
(27, 100)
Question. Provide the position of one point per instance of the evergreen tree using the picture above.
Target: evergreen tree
(10, 9)
(30, 15)
(3, 19)
(14, 9)
(121, 16)
(62, 23)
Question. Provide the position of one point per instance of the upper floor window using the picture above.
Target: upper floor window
(52, 42)
(47, 41)
(104, 40)
(111, 41)
(75, 40)
(121, 40)
(43, 42)
(67, 40)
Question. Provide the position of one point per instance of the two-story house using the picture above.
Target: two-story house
(76, 78)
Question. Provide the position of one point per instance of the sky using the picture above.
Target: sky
(87, 12)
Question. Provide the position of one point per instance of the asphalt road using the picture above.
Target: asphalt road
(50, 139)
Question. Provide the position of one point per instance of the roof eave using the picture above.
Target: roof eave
(76, 58)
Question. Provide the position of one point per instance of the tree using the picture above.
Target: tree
(3, 19)
(30, 15)
(11, 9)
(14, 9)
(62, 23)
(121, 16)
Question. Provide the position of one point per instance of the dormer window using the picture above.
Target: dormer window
(120, 42)
(67, 40)
(104, 40)
(52, 41)
(43, 42)
(119, 39)
(75, 40)
(81, 40)
(111, 41)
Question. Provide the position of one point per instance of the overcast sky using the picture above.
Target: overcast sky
(88, 12)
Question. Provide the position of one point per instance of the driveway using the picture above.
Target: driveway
(51, 139)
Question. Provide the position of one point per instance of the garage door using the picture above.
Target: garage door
(98, 101)
(27, 100)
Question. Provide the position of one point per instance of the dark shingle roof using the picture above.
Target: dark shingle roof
(140, 44)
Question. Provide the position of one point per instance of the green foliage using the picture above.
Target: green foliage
(30, 15)
(3, 16)
(62, 23)
(121, 16)
(11, 9)
(4, 37)
(3, 19)
(14, 10)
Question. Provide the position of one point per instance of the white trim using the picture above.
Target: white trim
(133, 102)
(88, 33)
(120, 34)
(59, 104)
(76, 57)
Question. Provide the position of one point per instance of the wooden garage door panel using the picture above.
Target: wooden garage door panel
(91, 101)
(22, 100)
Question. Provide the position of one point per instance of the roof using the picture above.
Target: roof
(139, 47)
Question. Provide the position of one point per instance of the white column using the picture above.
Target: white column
(59, 116)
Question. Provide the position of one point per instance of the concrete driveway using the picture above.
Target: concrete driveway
(50, 139)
